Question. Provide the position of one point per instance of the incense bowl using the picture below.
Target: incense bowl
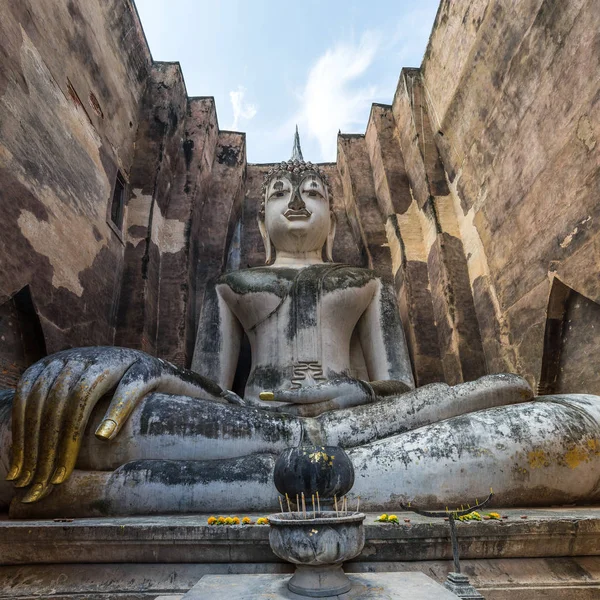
(318, 547)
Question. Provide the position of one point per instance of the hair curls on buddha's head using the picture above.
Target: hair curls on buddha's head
(295, 170)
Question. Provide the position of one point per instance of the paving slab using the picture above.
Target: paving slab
(371, 586)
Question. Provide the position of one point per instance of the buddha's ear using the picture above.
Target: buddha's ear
(330, 237)
(264, 234)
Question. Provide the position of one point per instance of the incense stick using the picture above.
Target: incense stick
(313, 503)
(287, 499)
(297, 504)
(318, 503)
(280, 504)
(303, 507)
(335, 504)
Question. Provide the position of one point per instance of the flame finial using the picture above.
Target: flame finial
(297, 150)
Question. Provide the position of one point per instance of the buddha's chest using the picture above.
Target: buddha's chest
(300, 307)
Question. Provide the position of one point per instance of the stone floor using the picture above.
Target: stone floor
(552, 554)
(372, 586)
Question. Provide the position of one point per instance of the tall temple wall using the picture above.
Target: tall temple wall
(71, 77)
(512, 94)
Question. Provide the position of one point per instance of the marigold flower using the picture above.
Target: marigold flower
(247, 521)
(262, 521)
(220, 520)
(211, 520)
(228, 521)
(392, 519)
(236, 520)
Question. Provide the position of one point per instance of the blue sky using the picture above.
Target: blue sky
(271, 64)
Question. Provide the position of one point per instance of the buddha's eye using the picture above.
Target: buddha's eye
(313, 193)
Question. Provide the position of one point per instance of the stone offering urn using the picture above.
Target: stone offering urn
(318, 547)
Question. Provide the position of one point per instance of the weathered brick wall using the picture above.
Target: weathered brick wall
(71, 76)
(513, 96)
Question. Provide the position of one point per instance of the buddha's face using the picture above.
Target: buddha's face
(297, 214)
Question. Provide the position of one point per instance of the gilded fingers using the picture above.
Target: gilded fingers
(143, 376)
(97, 380)
(51, 427)
(18, 417)
(33, 416)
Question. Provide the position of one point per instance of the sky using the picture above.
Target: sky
(273, 64)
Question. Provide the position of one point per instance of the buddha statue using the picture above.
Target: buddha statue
(109, 431)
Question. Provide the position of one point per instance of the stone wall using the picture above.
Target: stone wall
(512, 94)
(71, 75)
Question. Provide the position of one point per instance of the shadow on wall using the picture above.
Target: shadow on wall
(571, 362)
(21, 337)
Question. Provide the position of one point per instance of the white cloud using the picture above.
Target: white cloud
(329, 100)
(241, 109)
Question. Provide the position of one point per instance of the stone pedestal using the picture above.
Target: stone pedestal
(458, 584)
(374, 586)
(534, 554)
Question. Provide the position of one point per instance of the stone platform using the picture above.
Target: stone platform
(553, 554)
(374, 586)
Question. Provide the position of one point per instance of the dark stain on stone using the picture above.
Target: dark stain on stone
(163, 414)
(268, 378)
(228, 155)
(137, 231)
(188, 147)
(254, 469)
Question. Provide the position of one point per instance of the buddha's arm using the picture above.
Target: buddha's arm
(218, 340)
(384, 346)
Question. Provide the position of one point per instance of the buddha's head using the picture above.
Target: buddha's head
(295, 215)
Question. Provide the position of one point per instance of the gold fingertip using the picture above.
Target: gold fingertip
(13, 474)
(267, 396)
(24, 480)
(59, 475)
(106, 429)
(34, 494)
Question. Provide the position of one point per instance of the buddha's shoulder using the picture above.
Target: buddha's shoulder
(342, 276)
(278, 280)
(258, 279)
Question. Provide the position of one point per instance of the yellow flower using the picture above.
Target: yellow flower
(392, 519)
(247, 521)
(228, 521)
(383, 518)
(494, 515)
(236, 520)
(262, 521)
(220, 520)
(211, 520)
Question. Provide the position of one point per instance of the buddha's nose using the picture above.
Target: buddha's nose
(296, 203)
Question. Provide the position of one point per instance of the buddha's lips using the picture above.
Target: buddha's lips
(303, 213)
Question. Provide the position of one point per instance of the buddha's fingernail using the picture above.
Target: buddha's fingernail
(59, 475)
(34, 494)
(266, 396)
(106, 429)
(25, 479)
(12, 474)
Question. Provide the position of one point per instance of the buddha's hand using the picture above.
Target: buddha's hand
(313, 400)
(55, 397)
